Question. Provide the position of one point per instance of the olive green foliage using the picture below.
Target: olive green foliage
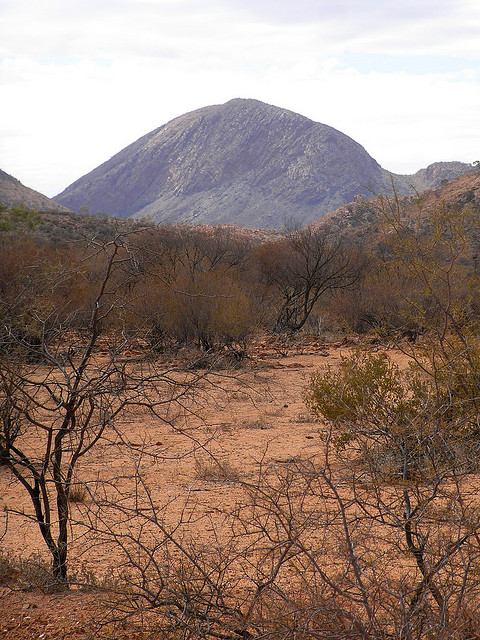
(418, 419)
(18, 219)
(376, 537)
(363, 383)
(426, 413)
(406, 445)
(372, 403)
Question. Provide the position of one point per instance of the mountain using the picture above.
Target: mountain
(245, 163)
(13, 193)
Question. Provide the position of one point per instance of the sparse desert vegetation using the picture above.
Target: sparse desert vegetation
(217, 446)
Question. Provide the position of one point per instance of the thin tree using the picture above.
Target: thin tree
(60, 397)
(302, 268)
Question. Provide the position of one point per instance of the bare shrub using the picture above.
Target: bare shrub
(197, 290)
(302, 268)
(262, 422)
(8, 568)
(402, 437)
(55, 409)
(33, 573)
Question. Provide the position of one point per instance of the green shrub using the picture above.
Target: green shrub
(400, 422)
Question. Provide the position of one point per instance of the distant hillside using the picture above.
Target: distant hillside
(360, 218)
(435, 174)
(13, 193)
(244, 163)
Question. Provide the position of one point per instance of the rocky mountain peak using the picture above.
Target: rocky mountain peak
(243, 162)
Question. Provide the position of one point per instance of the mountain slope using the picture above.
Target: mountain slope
(244, 162)
(13, 193)
(362, 219)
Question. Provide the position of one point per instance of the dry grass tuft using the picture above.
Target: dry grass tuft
(78, 493)
(215, 471)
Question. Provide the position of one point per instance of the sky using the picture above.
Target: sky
(82, 79)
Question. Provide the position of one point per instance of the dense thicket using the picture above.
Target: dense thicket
(214, 287)
(205, 287)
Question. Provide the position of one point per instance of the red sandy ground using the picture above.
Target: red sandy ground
(260, 416)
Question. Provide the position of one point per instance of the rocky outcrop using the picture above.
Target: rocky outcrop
(244, 163)
(436, 174)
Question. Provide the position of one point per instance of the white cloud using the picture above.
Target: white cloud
(84, 79)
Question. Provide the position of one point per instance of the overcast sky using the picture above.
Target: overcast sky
(81, 79)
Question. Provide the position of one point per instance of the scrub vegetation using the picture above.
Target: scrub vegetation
(374, 534)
